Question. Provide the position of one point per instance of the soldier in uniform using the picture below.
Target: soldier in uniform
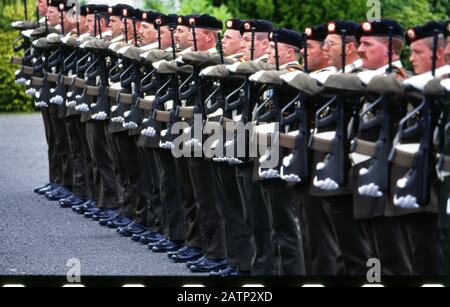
(322, 254)
(239, 248)
(49, 136)
(82, 166)
(385, 235)
(63, 160)
(421, 223)
(339, 201)
(106, 184)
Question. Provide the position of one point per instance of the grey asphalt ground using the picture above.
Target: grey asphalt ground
(37, 237)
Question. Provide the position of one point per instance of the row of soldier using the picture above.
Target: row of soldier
(362, 169)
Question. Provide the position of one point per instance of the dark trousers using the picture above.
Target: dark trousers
(388, 240)
(259, 219)
(82, 175)
(239, 248)
(171, 196)
(63, 160)
(193, 236)
(53, 175)
(106, 185)
(212, 226)
(322, 254)
(149, 210)
(125, 147)
(426, 250)
(289, 247)
(352, 242)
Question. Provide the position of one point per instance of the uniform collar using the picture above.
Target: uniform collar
(287, 65)
(351, 67)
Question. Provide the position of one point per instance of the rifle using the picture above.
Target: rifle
(333, 171)
(295, 167)
(375, 181)
(413, 190)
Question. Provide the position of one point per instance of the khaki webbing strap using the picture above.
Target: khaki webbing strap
(186, 112)
(52, 78)
(365, 148)
(321, 145)
(287, 141)
(126, 98)
(404, 159)
(80, 83)
(145, 104)
(162, 116)
(112, 92)
(93, 91)
(446, 166)
(15, 60)
(68, 80)
(37, 81)
(27, 70)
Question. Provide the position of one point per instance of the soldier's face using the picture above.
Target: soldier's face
(182, 37)
(447, 51)
(53, 16)
(232, 42)
(422, 57)
(204, 39)
(316, 56)
(285, 54)
(116, 25)
(90, 23)
(42, 4)
(129, 25)
(373, 53)
(83, 25)
(261, 45)
(148, 33)
(332, 50)
(166, 38)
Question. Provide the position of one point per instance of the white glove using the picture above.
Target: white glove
(126, 114)
(292, 178)
(71, 104)
(150, 132)
(82, 108)
(99, 116)
(287, 160)
(268, 174)
(21, 81)
(370, 190)
(327, 184)
(406, 202)
(31, 91)
(193, 142)
(57, 100)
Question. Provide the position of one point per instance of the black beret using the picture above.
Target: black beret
(423, 31)
(83, 11)
(289, 37)
(317, 33)
(336, 27)
(97, 9)
(150, 16)
(62, 5)
(205, 21)
(167, 20)
(119, 9)
(381, 28)
(260, 26)
(183, 20)
(234, 24)
(447, 28)
(136, 14)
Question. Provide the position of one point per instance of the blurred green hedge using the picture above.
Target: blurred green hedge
(12, 95)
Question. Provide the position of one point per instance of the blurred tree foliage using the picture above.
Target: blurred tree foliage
(300, 14)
